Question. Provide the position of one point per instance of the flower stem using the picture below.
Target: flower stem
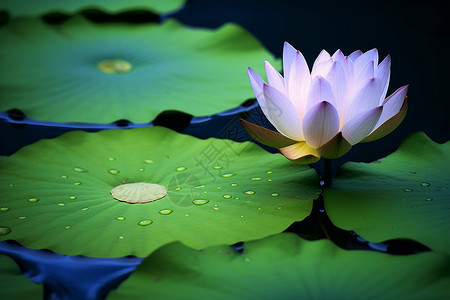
(327, 172)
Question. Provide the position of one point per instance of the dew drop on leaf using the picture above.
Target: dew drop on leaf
(166, 211)
(145, 222)
(113, 171)
(227, 175)
(4, 230)
(200, 201)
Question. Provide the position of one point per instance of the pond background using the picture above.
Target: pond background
(414, 33)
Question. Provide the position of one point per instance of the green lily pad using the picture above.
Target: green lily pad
(286, 267)
(56, 194)
(32, 8)
(100, 73)
(14, 285)
(405, 195)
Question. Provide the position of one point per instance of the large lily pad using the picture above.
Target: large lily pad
(286, 267)
(405, 195)
(14, 285)
(99, 73)
(32, 7)
(55, 194)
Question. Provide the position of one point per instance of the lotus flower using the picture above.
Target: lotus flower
(340, 103)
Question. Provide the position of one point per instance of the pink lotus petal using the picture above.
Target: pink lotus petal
(363, 60)
(322, 64)
(354, 55)
(321, 123)
(320, 90)
(383, 72)
(289, 53)
(298, 83)
(392, 105)
(282, 113)
(274, 78)
(360, 126)
(365, 99)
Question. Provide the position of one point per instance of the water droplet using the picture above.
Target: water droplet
(61, 204)
(73, 197)
(4, 230)
(275, 194)
(280, 207)
(111, 158)
(200, 186)
(256, 178)
(227, 175)
(217, 167)
(85, 208)
(11, 184)
(269, 172)
(242, 216)
(67, 227)
(408, 190)
(186, 215)
(78, 169)
(166, 211)
(429, 199)
(141, 169)
(259, 208)
(33, 200)
(247, 201)
(249, 192)
(64, 176)
(178, 189)
(145, 222)
(219, 187)
(227, 196)
(21, 218)
(121, 237)
(113, 171)
(148, 161)
(4, 208)
(181, 169)
(237, 198)
(77, 183)
(444, 188)
(234, 184)
(247, 259)
(269, 180)
(216, 208)
(425, 184)
(120, 218)
(200, 201)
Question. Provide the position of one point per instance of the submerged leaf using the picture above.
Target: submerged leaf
(56, 194)
(286, 267)
(15, 285)
(405, 195)
(32, 7)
